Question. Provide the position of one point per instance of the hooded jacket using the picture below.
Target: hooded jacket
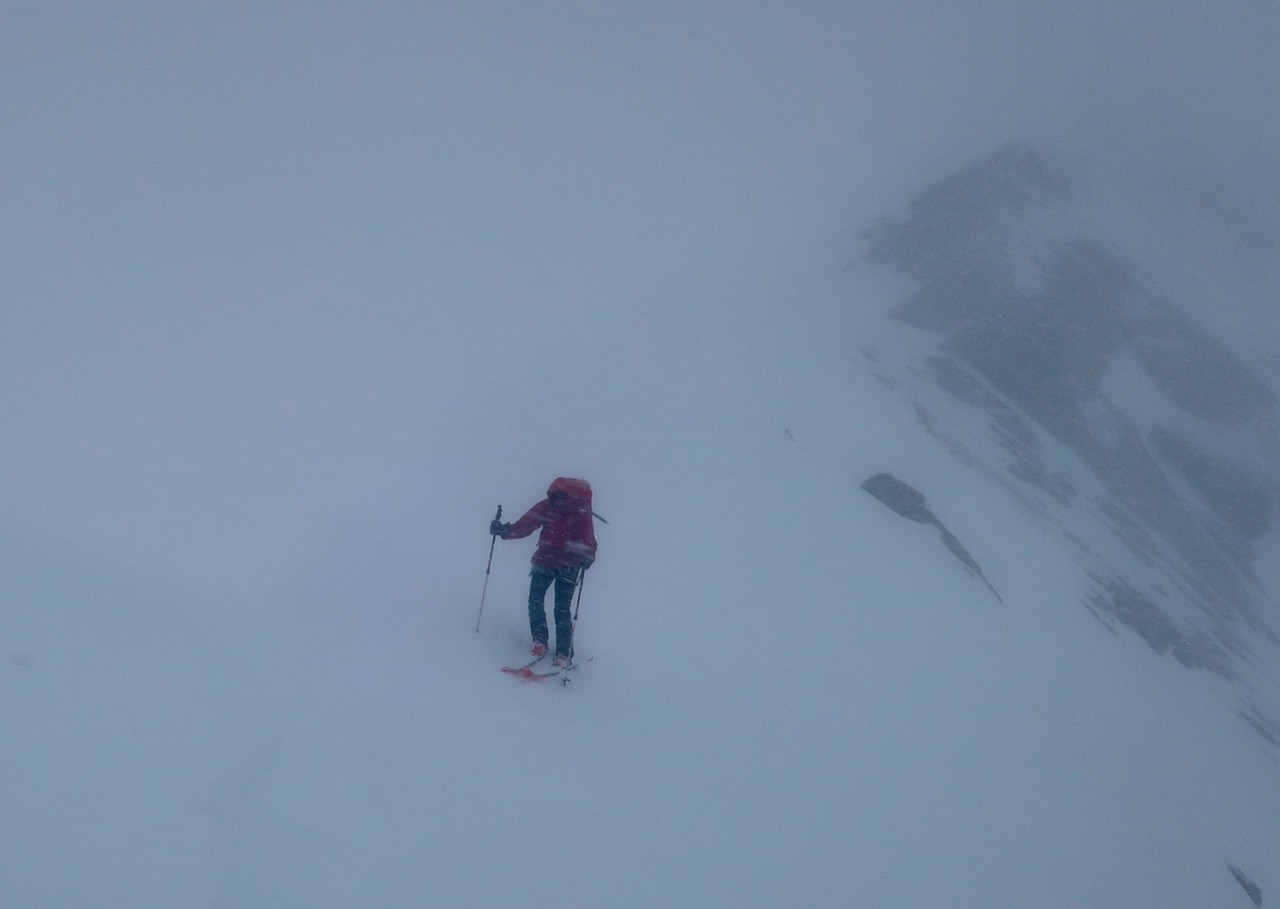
(568, 537)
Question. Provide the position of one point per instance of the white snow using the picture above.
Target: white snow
(292, 301)
(797, 698)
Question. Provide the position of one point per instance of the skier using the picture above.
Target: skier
(566, 548)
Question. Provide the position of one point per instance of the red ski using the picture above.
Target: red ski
(525, 671)
(529, 674)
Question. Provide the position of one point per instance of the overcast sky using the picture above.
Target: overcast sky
(265, 266)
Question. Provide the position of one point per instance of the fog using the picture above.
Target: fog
(267, 268)
(291, 298)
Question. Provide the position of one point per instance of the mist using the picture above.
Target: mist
(268, 271)
(294, 297)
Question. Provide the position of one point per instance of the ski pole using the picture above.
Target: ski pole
(573, 629)
(573, 639)
(485, 591)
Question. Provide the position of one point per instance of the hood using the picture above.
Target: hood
(578, 491)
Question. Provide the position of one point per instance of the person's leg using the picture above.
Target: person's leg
(539, 580)
(566, 584)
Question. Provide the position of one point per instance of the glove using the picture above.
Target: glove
(587, 562)
(498, 529)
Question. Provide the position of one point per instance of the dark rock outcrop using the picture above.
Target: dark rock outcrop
(909, 502)
(1254, 891)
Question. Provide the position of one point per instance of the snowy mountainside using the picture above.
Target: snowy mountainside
(796, 697)
(1054, 361)
(821, 709)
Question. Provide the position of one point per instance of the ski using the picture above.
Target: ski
(525, 671)
(573, 664)
(528, 673)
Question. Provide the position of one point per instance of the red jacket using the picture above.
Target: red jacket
(568, 537)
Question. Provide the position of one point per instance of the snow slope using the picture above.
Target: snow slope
(796, 699)
(293, 297)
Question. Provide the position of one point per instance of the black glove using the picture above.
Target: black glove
(587, 561)
(498, 529)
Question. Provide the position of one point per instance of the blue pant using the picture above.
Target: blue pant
(566, 581)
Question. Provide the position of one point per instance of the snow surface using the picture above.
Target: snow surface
(820, 709)
(294, 301)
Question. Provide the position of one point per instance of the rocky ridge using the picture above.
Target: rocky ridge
(1053, 363)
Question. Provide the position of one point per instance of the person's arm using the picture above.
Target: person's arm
(530, 521)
